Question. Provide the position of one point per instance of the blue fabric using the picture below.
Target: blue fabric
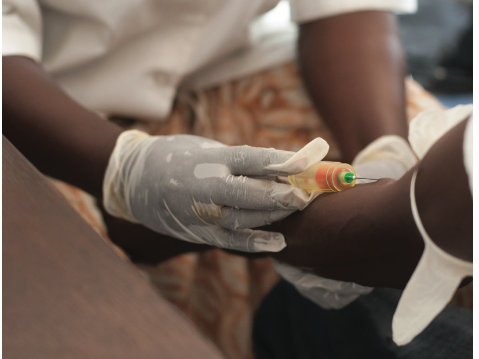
(287, 325)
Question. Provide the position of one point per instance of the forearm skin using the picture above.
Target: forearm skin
(60, 137)
(353, 66)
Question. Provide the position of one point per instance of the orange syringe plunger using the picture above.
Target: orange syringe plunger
(326, 177)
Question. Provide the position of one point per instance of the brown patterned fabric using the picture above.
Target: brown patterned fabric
(219, 291)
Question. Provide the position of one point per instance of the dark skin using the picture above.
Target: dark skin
(62, 138)
(443, 196)
(367, 234)
(353, 67)
(73, 144)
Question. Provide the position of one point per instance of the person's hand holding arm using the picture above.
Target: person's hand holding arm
(200, 190)
(67, 141)
(186, 187)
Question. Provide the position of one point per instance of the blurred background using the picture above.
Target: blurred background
(439, 45)
(438, 42)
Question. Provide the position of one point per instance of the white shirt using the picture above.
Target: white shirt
(129, 57)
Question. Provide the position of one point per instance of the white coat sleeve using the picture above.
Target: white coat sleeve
(307, 10)
(22, 29)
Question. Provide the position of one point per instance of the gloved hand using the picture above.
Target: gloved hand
(327, 293)
(196, 189)
(388, 156)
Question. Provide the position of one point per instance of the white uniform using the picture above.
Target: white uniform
(129, 57)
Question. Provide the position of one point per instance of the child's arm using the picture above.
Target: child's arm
(367, 234)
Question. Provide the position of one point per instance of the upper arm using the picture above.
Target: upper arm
(303, 11)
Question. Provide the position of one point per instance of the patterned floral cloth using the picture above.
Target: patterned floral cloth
(218, 291)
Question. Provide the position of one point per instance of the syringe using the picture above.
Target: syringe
(326, 177)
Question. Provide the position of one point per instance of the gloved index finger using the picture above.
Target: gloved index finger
(310, 154)
(248, 193)
(254, 161)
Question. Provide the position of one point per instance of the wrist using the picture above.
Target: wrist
(117, 179)
(60, 137)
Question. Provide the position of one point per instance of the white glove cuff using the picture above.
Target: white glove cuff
(388, 147)
(327, 293)
(388, 156)
(431, 286)
(116, 180)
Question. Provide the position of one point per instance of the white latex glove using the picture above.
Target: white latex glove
(195, 189)
(327, 293)
(388, 156)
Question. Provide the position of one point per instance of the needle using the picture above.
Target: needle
(363, 178)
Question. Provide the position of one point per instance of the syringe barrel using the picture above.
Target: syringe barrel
(324, 176)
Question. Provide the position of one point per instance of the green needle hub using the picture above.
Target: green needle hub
(349, 177)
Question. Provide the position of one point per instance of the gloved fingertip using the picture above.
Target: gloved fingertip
(310, 154)
(268, 242)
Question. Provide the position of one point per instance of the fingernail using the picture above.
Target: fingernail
(283, 179)
(269, 242)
